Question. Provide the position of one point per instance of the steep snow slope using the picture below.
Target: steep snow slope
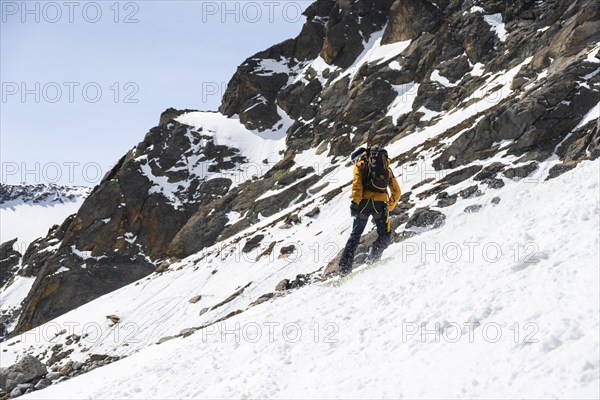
(517, 316)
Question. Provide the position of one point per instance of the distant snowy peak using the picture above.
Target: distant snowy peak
(40, 194)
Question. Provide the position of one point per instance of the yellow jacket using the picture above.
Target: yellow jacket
(358, 193)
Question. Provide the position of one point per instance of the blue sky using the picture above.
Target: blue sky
(82, 82)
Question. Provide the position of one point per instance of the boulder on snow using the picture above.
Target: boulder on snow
(474, 208)
(471, 191)
(203, 311)
(162, 267)
(262, 299)
(195, 299)
(446, 200)
(165, 339)
(252, 243)
(24, 371)
(185, 332)
(282, 285)
(425, 218)
(521, 171)
(313, 212)
(559, 169)
(287, 250)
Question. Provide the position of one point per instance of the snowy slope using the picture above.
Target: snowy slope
(536, 308)
(31, 210)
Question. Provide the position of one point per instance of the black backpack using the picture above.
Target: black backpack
(376, 175)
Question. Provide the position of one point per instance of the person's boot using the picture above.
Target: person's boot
(373, 256)
(345, 270)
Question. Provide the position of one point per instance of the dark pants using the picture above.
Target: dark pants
(367, 208)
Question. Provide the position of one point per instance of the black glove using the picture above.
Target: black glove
(353, 209)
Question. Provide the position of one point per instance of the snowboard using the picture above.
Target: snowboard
(340, 280)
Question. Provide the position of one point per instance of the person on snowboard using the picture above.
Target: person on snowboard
(370, 197)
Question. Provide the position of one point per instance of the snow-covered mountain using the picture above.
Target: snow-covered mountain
(28, 211)
(192, 270)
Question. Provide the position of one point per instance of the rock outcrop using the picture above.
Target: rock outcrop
(9, 259)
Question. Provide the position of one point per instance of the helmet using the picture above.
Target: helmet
(357, 154)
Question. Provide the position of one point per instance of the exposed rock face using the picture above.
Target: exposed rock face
(119, 233)
(410, 18)
(252, 91)
(9, 259)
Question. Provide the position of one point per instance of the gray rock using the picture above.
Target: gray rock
(26, 369)
(185, 332)
(521, 172)
(495, 183)
(42, 383)
(313, 212)
(282, 285)
(471, 191)
(425, 218)
(423, 182)
(252, 243)
(16, 392)
(559, 169)
(162, 267)
(25, 386)
(52, 376)
(445, 200)
(66, 369)
(300, 281)
(263, 298)
(165, 339)
(474, 208)
(489, 171)
(462, 174)
(97, 357)
(203, 311)
(195, 299)
(410, 18)
(286, 250)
